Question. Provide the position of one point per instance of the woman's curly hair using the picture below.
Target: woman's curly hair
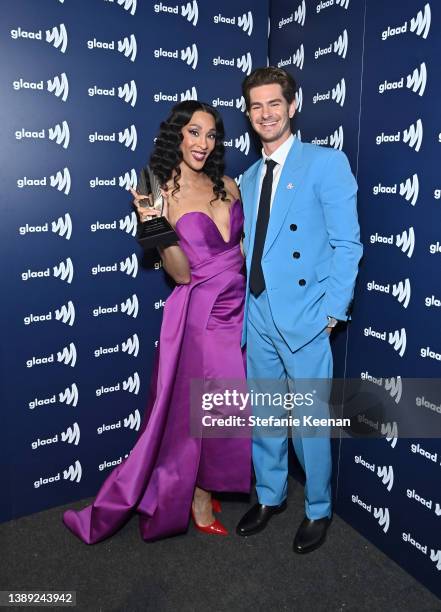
(167, 155)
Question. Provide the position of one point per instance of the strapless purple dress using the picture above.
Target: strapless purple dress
(200, 339)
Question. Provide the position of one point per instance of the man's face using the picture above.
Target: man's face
(270, 113)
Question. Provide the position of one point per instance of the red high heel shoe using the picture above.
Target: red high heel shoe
(215, 504)
(214, 528)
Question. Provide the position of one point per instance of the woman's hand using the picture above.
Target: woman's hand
(148, 212)
(145, 213)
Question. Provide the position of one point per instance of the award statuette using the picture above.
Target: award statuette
(157, 231)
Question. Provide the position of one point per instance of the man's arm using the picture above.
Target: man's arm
(338, 196)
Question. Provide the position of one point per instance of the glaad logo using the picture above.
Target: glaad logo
(386, 473)
(409, 189)
(127, 46)
(73, 472)
(131, 385)
(383, 517)
(129, 265)
(245, 21)
(432, 301)
(133, 421)
(71, 436)
(127, 137)
(238, 103)
(60, 133)
(435, 556)
(298, 16)
(129, 346)
(427, 503)
(338, 94)
(130, 307)
(61, 226)
(396, 338)
(126, 180)
(64, 271)
(67, 356)
(405, 241)
(242, 143)
(127, 224)
(188, 94)
(428, 352)
(401, 290)
(244, 63)
(59, 86)
(299, 100)
(416, 81)
(413, 136)
(296, 59)
(327, 3)
(69, 396)
(335, 140)
(57, 36)
(393, 386)
(190, 10)
(421, 401)
(390, 432)
(65, 314)
(61, 181)
(420, 25)
(189, 55)
(339, 46)
(381, 514)
(127, 92)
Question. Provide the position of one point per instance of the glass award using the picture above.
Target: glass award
(157, 231)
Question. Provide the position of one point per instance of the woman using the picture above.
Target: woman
(170, 474)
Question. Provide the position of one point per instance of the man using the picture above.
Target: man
(302, 252)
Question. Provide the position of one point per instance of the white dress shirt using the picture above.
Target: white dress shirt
(279, 156)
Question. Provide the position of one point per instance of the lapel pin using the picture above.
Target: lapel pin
(290, 186)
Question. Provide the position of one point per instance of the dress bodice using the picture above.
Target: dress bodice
(200, 237)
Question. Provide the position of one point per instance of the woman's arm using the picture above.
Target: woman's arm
(175, 263)
(174, 260)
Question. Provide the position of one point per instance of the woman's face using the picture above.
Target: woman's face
(199, 139)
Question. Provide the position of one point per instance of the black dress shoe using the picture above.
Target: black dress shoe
(310, 535)
(257, 518)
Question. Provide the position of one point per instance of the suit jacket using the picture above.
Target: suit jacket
(312, 247)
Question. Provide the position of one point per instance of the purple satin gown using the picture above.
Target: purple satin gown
(199, 339)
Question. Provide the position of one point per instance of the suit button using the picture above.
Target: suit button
(296, 254)
(302, 282)
(293, 227)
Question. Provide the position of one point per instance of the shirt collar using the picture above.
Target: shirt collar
(281, 153)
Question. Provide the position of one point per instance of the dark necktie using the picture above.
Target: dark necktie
(257, 281)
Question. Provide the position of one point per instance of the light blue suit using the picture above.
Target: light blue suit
(310, 263)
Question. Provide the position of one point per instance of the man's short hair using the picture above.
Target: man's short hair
(268, 76)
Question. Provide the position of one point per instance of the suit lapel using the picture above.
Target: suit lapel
(286, 193)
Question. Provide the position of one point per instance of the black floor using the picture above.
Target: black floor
(196, 572)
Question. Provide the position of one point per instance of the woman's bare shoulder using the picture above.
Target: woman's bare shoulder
(231, 188)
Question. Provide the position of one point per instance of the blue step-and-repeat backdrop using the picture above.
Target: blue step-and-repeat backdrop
(368, 83)
(84, 86)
